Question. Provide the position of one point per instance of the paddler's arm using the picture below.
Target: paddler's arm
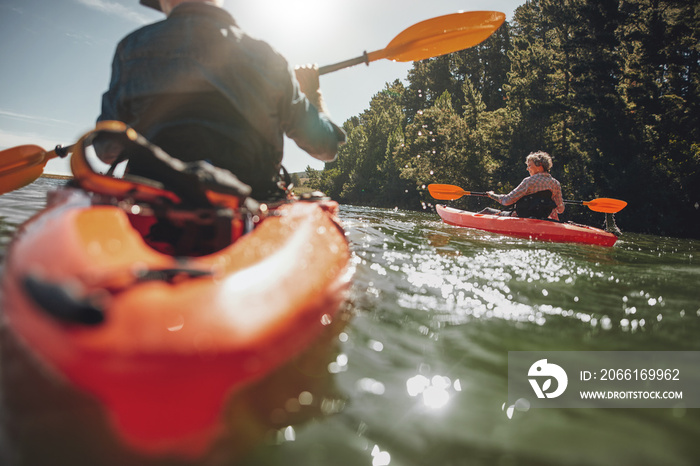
(312, 128)
(557, 198)
(307, 76)
(514, 196)
(494, 196)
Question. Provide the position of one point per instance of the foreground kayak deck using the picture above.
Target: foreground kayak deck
(543, 230)
(180, 335)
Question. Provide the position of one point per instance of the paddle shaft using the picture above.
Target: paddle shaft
(364, 58)
(566, 201)
(449, 192)
(58, 151)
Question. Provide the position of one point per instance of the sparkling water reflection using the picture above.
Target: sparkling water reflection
(448, 304)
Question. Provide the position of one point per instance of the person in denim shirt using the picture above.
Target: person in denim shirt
(200, 88)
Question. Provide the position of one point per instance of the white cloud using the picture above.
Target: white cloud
(22, 117)
(113, 8)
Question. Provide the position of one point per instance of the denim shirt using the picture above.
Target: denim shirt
(200, 50)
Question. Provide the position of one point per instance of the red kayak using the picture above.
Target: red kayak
(164, 340)
(543, 230)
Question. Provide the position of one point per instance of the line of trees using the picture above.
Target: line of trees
(611, 89)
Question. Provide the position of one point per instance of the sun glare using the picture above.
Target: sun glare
(304, 31)
(303, 16)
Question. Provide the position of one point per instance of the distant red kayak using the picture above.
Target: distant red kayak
(543, 230)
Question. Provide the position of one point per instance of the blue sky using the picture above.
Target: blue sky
(56, 56)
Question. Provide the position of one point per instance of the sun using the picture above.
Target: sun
(298, 14)
(301, 18)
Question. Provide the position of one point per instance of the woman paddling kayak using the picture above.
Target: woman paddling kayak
(537, 196)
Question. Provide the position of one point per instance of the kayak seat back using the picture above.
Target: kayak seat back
(538, 205)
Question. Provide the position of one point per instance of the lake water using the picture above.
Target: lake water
(418, 374)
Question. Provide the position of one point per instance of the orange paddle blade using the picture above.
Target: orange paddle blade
(606, 205)
(446, 192)
(20, 166)
(431, 38)
(441, 35)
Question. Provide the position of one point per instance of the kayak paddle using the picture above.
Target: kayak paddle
(432, 38)
(22, 165)
(448, 192)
